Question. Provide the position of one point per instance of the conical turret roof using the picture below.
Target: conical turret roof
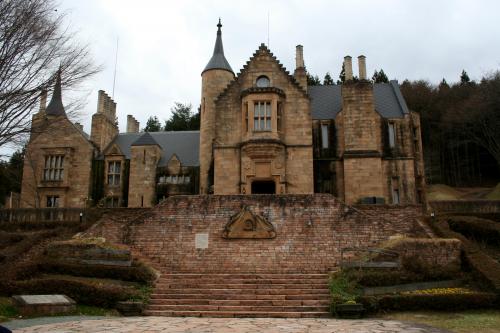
(56, 107)
(218, 60)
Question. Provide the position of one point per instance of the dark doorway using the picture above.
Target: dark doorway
(263, 187)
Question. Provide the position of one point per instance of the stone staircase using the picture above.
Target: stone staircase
(240, 295)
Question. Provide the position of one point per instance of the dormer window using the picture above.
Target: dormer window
(263, 81)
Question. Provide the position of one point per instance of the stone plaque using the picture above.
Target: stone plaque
(201, 241)
(43, 304)
(246, 224)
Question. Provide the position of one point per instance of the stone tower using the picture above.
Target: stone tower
(214, 78)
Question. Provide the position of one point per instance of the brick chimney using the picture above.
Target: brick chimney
(362, 67)
(348, 68)
(132, 124)
(300, 74)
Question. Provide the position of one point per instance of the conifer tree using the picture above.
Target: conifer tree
(328, 81)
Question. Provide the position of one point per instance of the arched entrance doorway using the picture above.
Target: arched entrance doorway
(263, 187)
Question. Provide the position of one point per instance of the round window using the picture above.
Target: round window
(263, 81)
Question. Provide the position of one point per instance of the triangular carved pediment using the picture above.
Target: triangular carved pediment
(246, 224)
(113, 150)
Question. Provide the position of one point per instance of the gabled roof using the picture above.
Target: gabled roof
(263, 49)
(145, 140)
(184, 144)
(56, 107)
(218, 60)
(326, 101)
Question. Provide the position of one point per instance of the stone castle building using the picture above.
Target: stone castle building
(262, 131)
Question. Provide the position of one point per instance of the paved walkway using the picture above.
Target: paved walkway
(227, 325)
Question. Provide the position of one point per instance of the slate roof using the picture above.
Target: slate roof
(218, 60)
(185, 144)
(326, 101)
(145, 140)
(56, 107)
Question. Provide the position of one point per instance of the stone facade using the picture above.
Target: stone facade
(57, 140)
(261, 131)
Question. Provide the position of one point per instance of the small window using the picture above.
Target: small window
(279, 121)
(263, 81)
(392, 136)
(324, 136)
(262, 116)
(112, 202)
(52, 201)
(114, 172)
(53, 169)
(395, 191)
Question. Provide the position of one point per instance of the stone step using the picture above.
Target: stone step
(180, 285)
(237, 302)
(242, 296)
(287, 276)
(238, 314)
(268, 291)
(238, 308)
(218, 280)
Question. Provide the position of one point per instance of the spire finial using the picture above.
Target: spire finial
(55, 107)
(219, 25)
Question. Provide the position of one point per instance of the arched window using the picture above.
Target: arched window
(263, 81)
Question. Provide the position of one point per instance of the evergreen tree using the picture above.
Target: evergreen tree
(380, 77)
(341, 75)
(10, 175)
(313, 80)
(183, 119)
(443, 85)
(464, 77)
(328, 81)
(152, 125)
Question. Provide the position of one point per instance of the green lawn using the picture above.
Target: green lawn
(484, 321)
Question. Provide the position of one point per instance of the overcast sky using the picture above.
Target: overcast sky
(164, 45)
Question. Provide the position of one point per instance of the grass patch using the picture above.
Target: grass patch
(7, 310)
(485, 321)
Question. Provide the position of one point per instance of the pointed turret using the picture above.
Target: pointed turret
(56, 107)
(218, 60)
(214, 78)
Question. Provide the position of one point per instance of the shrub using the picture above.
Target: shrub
(477, 228)
(138, 272)
(444, 302)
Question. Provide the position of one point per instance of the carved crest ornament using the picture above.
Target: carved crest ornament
(247, 225)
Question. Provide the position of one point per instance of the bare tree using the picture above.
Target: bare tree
(479, 115)
(33, 45)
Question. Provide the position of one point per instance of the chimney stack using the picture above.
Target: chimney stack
(362, 67)
(348, 68)
(299, 56)
(43, 101)
(132, 124)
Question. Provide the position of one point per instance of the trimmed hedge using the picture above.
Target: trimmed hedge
(477, 228)
(83, 292)
(138, 272)
(445, 302)
(373, 278)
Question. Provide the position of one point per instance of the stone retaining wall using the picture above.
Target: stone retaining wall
(310, 232)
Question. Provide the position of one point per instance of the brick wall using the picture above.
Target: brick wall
(310, 232)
